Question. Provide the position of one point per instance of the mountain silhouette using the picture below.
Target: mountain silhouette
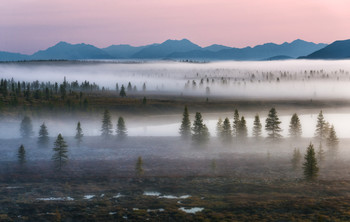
(336, 50)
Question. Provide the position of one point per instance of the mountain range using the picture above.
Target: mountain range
(187, 50)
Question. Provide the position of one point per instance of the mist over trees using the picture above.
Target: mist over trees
(26, 128)
(200, 133)
(295, 130)
(185, 128)
(79, 134)
(21, 155)
(43, 139)
(121, 130)
(257, 128)
(107, 127)
(272, 125)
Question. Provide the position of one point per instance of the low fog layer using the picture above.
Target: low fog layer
(164, 125)
(293, 79)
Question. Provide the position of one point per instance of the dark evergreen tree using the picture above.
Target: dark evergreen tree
(26, 127)
(79, 134)
(21, 155)
(43, 140)
(122, 91)
(107, 126)
(235, 123)
(332, 140)
(226, 133)
(272, 125)
(295, 130)
(320, 128)
(200, 133)
(257, 127)
(60, 156)
(310, 165)
(242, 132)
(139, 166)
(144, 101)
(185, 128)
(121, 128)
(296, 160)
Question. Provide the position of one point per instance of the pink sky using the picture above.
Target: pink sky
(29, 25)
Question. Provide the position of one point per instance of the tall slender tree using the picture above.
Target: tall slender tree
(257, 127)
(121, 128)
(226, 133)
(107, 126)
(79, 134)
(310, 165)
(200, 133)
(60, 156)
(235, 123)
(21, 155)
(332, 140)
(122, 91)
(242, 132)
(185, 128)
(43, 140)
(295, 130)
(320, 127)
(272, 125)
(26, 127)
(296, 159)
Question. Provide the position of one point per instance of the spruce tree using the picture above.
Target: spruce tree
(121, 128)
(122, 91)
(257, 127)
(320, 133)
(21, 155)
(200, 133)
(226, 133)
(26, 127)
(219, 128)
(296, 159)
(332, 140)
(79, 134)
(185, 128)
(43, 140)
(272, 125)
(242, 129)
(129, 88)
(139, 168)
(235, 123)
(144, 87)
(60, 156)
(107, 126)
(295, 130)
(310, 165)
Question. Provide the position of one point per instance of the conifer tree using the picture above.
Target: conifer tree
(79, 134)
(129, 88)
(200, 133)
(26, 127)
(226, 133)
(43, 139)
(122, 91)
(21, 155)
(139, 168)
(144, 87)
(60, 156)
(332, 140)
(219, 128)
(310, 165)
(320, 127)
(185, 128)
(117, 87)
(272, 125)
(257, 127)
(107, 126)
(121, 128)
(242, 129)
(235, 123)
(296, 159)
(295, 130)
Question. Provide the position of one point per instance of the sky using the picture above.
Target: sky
(30, 25)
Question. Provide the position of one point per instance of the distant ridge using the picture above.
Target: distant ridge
(337, 50)
(170, 49)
